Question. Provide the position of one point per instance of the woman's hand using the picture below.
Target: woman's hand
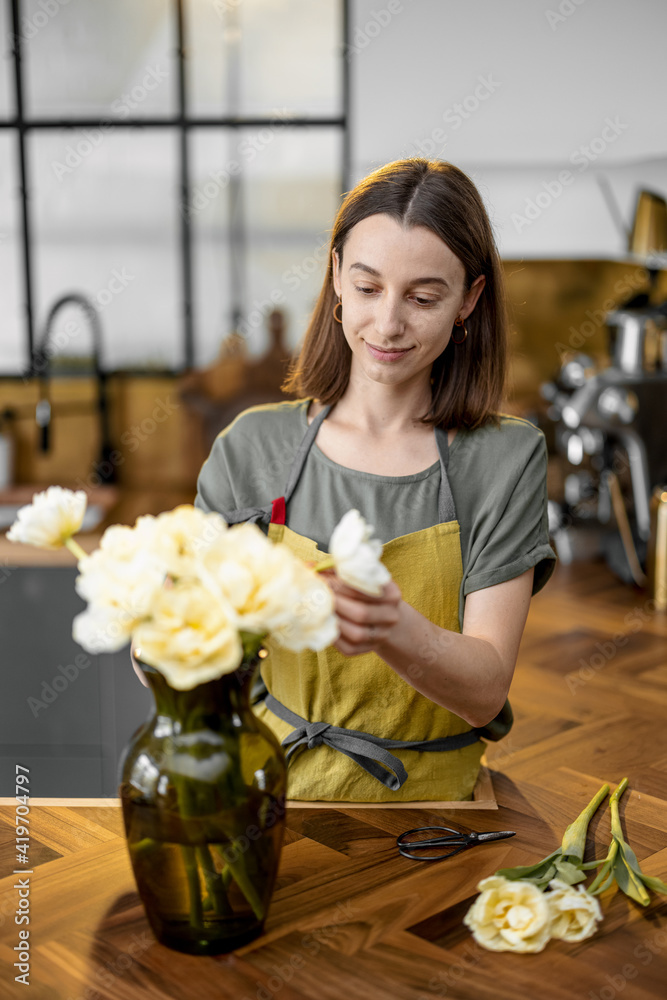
(366, 622)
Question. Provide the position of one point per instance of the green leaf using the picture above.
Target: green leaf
(628, 881)
(630, 856)
(656, 884)
(529, 872)
(569, 873)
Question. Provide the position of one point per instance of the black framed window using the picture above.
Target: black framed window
(177, 162)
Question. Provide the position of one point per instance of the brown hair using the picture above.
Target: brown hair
(468, 378)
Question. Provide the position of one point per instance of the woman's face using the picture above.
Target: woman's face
(401, 289)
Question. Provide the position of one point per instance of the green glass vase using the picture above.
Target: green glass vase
(202, 786)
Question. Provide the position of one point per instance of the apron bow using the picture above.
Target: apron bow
(314, 733)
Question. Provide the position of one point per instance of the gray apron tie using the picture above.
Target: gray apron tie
(364, 748)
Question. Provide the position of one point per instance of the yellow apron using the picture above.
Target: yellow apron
(322, 692)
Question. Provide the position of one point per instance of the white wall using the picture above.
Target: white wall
(534, 81)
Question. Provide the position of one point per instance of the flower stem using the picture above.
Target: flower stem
(604, 871)
(196, 912)
(615, 818)
(240, 875)
(214, 882)
(76, 549)
(574, 838)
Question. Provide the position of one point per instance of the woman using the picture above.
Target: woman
(400, 380)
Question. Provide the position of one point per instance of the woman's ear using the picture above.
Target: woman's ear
(470, 300)
(335, 262)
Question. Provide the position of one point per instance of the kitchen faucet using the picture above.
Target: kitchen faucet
(41, 368)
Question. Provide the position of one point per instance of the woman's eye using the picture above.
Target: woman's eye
(425, 302)
(365, 290)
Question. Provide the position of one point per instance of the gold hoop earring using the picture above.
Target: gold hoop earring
(459, 322)
(339, 303)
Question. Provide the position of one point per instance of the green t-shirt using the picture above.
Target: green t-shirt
(497, 477)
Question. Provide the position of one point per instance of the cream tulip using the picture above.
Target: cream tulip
(51, 519)
(574, 912)
(509, 916)
(192, 636)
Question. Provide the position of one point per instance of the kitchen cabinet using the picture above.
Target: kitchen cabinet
(66, 714)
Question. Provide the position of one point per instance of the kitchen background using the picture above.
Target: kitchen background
(169, 170)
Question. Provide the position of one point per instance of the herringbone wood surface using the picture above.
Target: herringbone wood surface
(352, 918)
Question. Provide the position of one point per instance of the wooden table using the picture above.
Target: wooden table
(351, 918)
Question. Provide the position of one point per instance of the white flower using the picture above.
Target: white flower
(509, 916)
(103, 629)
(183, 535)
(270, 589)
(357, 556)
(121, 579)
(191, 637)
(50, 519)
(574, 912)
(312, 623)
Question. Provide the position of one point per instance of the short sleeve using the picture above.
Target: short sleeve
(244, 469)
(511, 534)
(214, 483)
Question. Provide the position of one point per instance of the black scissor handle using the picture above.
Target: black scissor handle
(459, 842)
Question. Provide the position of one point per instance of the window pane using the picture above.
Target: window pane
(289, 183)
(105, 223)
(255, 58)
(112, 58)
(290, 198)
(13, 337)
(6, 63)
(211, 154)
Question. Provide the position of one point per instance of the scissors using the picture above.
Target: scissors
(458, 841)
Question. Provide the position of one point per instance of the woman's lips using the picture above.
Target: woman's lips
(387, 355)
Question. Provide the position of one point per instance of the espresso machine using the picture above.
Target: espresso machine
(610, 426)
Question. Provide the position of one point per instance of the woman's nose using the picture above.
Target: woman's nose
(389, 316)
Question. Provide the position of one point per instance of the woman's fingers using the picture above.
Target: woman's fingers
(365, 615)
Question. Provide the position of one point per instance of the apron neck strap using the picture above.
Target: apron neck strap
(302, 452)
(446, 506)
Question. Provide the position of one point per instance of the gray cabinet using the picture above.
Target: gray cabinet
(64, 713)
